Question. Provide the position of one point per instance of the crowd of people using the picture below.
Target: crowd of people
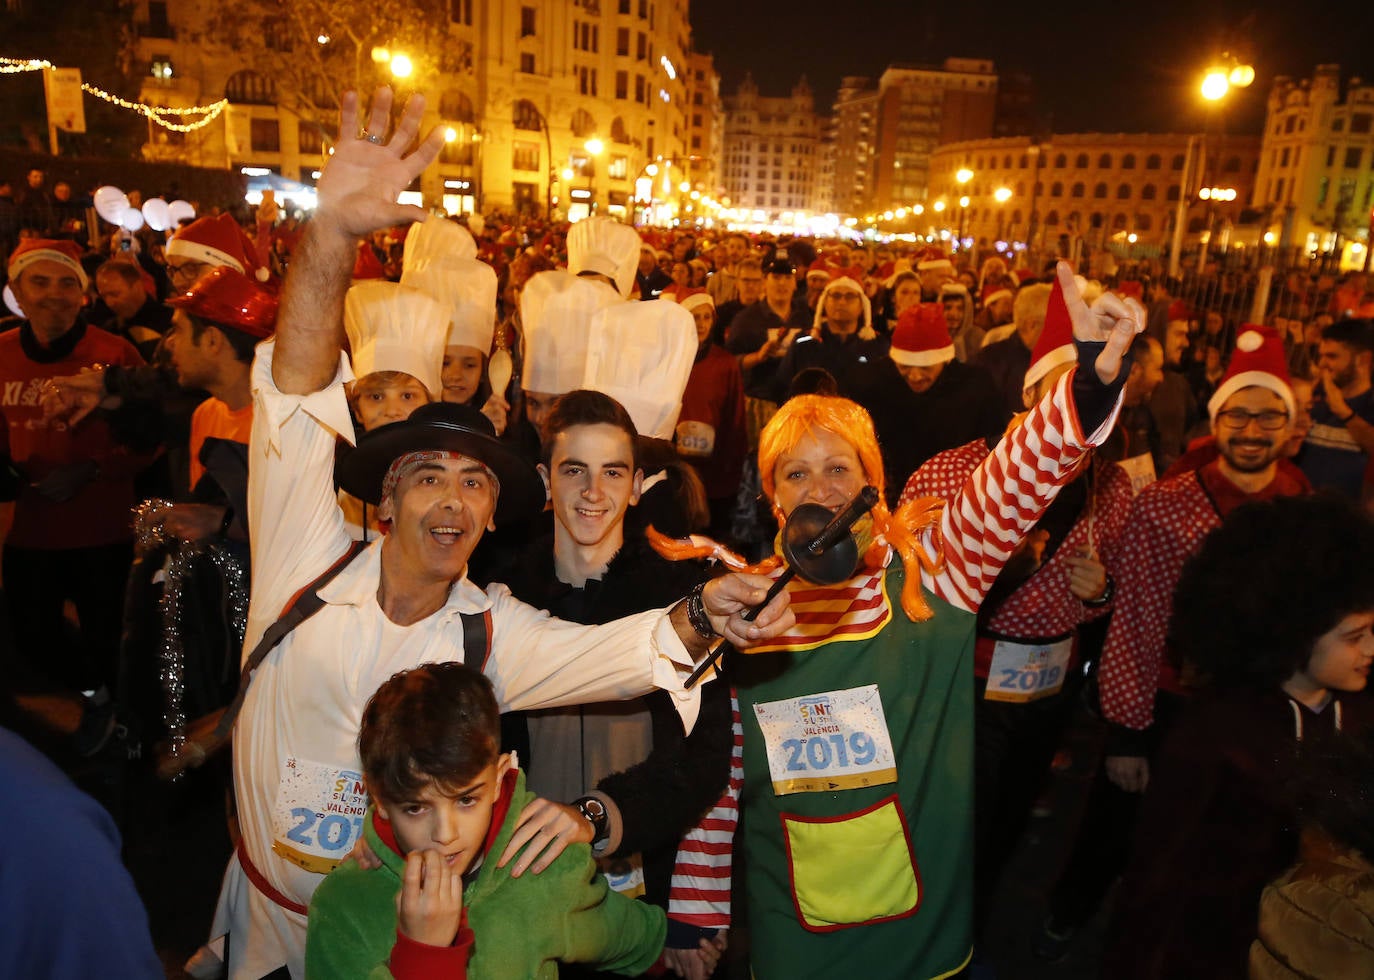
(416, 534)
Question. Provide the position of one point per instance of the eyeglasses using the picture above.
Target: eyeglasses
(186, 270)
(1239, 418)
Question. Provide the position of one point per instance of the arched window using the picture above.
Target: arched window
(1105, 161)
(1016, 217)
(1119, 223)
(583, 124)
(1020, 188)
(1100, 190)
(1006, 162)
(1077, 190)
(1024, 162)
(1056, 189)
(1095, 220)
(1128, 162)
(1123, 193)
(1173, 193)
(456, 107)
(1178, 161)
(1061, 160)
(249, 88)
(527, 116)
(1052, 218)
(1081, 162)
(618, 131)
(1147, 193)
(1152, 162)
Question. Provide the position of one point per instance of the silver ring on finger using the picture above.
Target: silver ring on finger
(372, 138)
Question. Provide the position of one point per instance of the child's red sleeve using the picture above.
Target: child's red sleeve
(420, 961)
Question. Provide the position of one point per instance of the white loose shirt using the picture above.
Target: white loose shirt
(297, 775)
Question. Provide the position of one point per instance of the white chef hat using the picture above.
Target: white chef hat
(606, 246)
(641, 355)
(437, 240)
(466, 288)
(556, 310)
(395, 328)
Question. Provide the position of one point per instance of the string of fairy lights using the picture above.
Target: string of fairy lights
(156, 113)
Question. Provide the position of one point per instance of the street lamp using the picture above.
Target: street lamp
(962, 177)
(1002, 195)
(1228, 73)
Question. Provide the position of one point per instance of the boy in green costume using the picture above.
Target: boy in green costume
(444, 802)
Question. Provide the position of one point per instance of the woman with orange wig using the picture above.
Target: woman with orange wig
(858, 722)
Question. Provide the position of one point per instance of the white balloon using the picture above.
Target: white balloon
(111, 203)
(157, 214)
(180, 211)
(132, 219)
(11, 302)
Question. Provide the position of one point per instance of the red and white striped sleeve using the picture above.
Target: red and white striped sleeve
(700, 891)
(1008, 492)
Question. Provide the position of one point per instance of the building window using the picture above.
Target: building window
(641, 47)
(1152, 162)
(456, 107)
(524, 156)
(161, 66)
(265, 136)
(1330, 156)
(1100, 190)
(618, 168)
(639, 88)
(527, 62)
(1077, 191)
(527, 21)
(1056, 189)
(1128, 162)
(460, 11)
(1323, 188)
(157, 25)
(622, 85)
(622, 41)
(527, 117)
(250, 88)
(1173, 192)
(1278, 190)
(624, 7)
(1178, 162)
(586, 80)
(1352, 157)
(1289, 123)
(1081, 162)
(583, 124)
(1147, 193)
(1283, 157)
(1123, 193)
(1105, 161)
(1061, 161)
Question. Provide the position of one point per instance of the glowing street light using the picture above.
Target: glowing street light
(401, 66)
(963, 201)
(1002, 195)
(964, 175)
(939, 206)
(567, 173)
(595, 146)
(652, 170)
(450, 135)
(1215, 84)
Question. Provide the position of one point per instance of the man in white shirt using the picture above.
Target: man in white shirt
(440, 479)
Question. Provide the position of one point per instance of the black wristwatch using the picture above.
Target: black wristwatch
(1107, 593)
(595, 812)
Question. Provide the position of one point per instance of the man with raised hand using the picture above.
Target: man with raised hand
(439, 479)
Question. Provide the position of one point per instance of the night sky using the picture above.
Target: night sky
(1134, 67)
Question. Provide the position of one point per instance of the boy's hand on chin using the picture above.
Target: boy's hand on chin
(429, 907)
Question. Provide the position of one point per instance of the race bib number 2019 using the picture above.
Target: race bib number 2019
(319, 814)
(830, 741)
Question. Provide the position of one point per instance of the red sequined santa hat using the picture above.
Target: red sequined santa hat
(1055, 346)
(228, 298)
(922, 337)
(218, 240)
(1257, 362)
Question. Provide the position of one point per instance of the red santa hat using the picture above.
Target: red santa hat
(922, 337)
(1055, 346)
(218, 240)
(1180, 310)
(993, 292)
(1257, 361)
(693, 298)
(933, 258)
(228, 298)
(866, 330)
(47, 250)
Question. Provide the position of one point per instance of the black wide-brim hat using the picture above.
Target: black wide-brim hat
(441, 426)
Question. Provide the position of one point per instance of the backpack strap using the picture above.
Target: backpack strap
(476, 636)
(298, 609)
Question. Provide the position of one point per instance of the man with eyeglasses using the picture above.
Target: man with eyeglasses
(842, 341)
(1140, 688)
(207, 243)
